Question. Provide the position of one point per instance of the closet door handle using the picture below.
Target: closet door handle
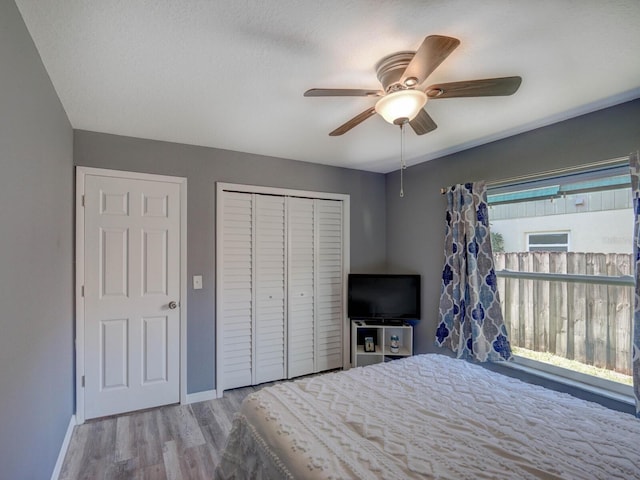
(173, 305)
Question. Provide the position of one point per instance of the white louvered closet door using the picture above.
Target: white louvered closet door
(329, 278)
(280, 281)
(237, 288)
(270, 339)
(301, 286)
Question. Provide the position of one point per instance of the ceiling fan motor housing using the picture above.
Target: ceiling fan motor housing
(390, 69)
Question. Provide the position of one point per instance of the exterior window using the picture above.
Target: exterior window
(548, 242)
(563, 258)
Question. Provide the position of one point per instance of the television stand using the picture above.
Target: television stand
(381, 334)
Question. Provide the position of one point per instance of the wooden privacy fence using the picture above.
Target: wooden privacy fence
(587, 322)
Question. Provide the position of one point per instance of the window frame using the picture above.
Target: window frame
(601, 386)
(593, 384)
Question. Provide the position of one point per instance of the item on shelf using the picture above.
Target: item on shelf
(369, 346)
(394, 346)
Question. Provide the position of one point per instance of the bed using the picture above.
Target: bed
(427, 416)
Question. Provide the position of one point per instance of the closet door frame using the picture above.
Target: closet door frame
(222, 187)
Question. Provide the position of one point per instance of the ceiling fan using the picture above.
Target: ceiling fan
(403, 96)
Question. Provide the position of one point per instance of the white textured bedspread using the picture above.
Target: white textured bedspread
(427, 416)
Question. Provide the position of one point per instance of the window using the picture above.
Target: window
(548, 242)
(565, 272)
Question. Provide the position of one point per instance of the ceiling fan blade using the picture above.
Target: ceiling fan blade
(357, 120)
(342, 92)
(432, 52)
(423, 123)
(488, 87)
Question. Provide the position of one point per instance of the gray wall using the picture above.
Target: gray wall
(203, 167)
(415, 223)
(36, 258)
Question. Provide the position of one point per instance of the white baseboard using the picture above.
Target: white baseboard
(201, 396)
(63, 448)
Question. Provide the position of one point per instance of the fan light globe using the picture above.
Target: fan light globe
(401, 106)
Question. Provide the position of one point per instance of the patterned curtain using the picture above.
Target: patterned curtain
(471, 322)
(634, 164)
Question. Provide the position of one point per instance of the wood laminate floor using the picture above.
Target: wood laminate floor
(173, 442)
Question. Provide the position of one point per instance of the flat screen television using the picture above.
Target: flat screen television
(383, 297)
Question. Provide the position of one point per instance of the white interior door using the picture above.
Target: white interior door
(253, 285)
(301, 286)
(270, 337)
(131, 294)
(329, 292)
(236, 283)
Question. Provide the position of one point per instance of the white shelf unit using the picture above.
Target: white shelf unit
(382, 340)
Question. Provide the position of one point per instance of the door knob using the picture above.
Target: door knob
(172, 305)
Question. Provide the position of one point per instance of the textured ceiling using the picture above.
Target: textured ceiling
(231, 74)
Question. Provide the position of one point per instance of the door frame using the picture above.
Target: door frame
(221, 187)
(81, 174)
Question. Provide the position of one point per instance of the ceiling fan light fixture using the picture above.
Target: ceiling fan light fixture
(401, 106)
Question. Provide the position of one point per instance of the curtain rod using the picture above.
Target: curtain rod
(552, 173)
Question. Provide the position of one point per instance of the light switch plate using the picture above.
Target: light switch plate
(197, 282)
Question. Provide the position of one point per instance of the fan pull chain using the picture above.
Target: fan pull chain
(403, 165)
